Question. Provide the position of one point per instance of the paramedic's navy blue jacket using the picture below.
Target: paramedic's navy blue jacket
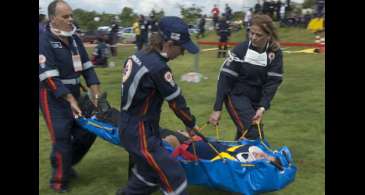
(245, 86)
(148, 85)
(59, 66)
(56, 79)
(147, 82)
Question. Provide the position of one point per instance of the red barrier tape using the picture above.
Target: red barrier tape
(286, 44)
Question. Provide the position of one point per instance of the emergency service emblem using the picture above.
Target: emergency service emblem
(42, 61)
(175, 36)
(127, 70)
(271, 56)
(169, 78)
(56, 44)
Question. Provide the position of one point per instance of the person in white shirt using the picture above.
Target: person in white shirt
(247, 21)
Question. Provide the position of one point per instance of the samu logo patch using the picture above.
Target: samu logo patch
(56, 45)
(169, 78)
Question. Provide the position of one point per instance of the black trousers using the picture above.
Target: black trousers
(153, 166)
(69, 142)
(241, 109)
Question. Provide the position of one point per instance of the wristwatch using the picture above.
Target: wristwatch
(262, 109)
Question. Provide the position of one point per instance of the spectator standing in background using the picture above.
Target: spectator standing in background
(143, 26)
(137, 31)
(258, 8)
(201, 27)
(277, 9)
(215, 14)
(228, 12)
(247, 21)
(266, 7)
(113, 38)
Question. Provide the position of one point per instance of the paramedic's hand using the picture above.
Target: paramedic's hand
(74, 105)
(190, 131)
(95, 94)
(215, 117)
(258, 116)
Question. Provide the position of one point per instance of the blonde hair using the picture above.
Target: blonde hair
(266, 24)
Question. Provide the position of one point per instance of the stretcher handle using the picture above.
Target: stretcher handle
(261, 139)
(217, 129)
(196, 132)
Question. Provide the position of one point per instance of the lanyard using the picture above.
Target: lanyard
(75, 52)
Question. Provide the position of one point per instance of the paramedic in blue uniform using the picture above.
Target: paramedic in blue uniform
(143, 26)
(147, 82)
(223, 32)
(62, 59)
(249, 78)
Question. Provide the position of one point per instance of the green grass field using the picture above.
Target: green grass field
(296, 119)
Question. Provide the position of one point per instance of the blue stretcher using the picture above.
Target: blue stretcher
(224, 174)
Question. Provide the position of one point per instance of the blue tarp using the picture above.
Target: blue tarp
(234, 176)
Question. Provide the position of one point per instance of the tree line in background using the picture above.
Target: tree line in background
(85, 19)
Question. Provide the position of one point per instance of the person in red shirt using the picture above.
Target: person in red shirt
(215, 13)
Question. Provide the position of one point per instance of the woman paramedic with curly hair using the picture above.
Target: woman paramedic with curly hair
(249, 78)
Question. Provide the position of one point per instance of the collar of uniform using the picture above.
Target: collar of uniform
(163, 57)
(56, 38)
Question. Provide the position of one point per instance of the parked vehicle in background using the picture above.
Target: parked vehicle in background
(120, 31)
(236, 25)
(127, 35)
(88, 37)
(92, 36)
(104, 28)
(193, 29)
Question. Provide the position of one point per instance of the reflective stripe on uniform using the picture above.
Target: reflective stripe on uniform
(231, 72)
(134, 170)
(134, 85)
(173, 95)
(274, 74)
(88, 65)
(71, 81)
(48, 73)
(178, 190)
(232, 57)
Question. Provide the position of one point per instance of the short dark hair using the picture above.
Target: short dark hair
(52, 7)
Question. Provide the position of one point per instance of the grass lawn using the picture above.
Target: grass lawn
(296, 119)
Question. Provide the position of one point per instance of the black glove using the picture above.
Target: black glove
(88, 109)
(103, 104)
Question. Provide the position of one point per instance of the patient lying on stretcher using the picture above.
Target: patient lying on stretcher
(242, 153)
(190, 148)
